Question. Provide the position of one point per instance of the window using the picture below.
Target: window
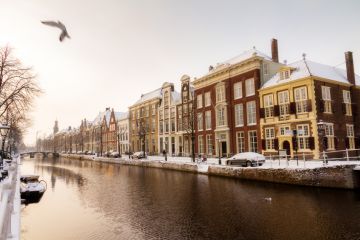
(301, 100)
(283, 98)
(252, 141)
(326, 96)
(185, 95)
(251, 113)
(166, 126)
(172, 113)
(209, 145)
(208, 120)
(240, 140)
(161, 116)
(284, 74)
(199, 121)
(199, 101)
(269, 105)
(180, 128)
(179, 112)
(284, 130)
(303, 135)
(153, 109)
(220, 93)
(238, 90)
(166, 113)
(250, 87)
(173, 125)
(270, 138)
(350, 135)
(239, 115)
(153, 125)
(166, 98)
(207, 99)
(329, 133)
(185, 109)
(221, 116)
(200, 145)
(161, 126)
(347, 102)
(266, 68)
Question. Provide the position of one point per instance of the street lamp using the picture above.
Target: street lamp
(3, 132)
(218, 141)
(321, 129)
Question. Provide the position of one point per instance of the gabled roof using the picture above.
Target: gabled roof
(150, 95)
(306, 68)
(235, 60)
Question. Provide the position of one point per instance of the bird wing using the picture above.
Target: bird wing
(51, 23)
(62, 36)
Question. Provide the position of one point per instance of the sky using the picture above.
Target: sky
(120, 49)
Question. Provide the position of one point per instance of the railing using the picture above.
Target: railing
(10, 204)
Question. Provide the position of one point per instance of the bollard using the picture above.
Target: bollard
(304, 159)
(324, 158)
(347, 154)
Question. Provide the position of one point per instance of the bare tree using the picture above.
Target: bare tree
(188, 124)
(18, 89)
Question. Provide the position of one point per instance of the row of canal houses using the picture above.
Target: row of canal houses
(251, 102)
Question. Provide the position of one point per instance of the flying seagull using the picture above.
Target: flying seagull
(58, 24)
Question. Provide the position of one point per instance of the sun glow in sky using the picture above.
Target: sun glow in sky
(121, 49)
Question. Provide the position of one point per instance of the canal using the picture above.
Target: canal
(92, 200)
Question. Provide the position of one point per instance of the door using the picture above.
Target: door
(286, 146)
(223, 149)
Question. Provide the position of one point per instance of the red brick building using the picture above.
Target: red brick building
(227, 103)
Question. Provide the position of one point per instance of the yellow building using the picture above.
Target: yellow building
(296, 101)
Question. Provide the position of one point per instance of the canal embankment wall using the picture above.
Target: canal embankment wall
(339, 176)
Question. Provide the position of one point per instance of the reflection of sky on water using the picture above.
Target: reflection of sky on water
(122, 202)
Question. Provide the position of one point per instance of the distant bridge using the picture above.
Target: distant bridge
(45, 154)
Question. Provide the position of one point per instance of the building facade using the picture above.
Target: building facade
(227, 103)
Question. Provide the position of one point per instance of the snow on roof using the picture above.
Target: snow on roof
(150, 95)
(306, 68)
(239, 58)
(121, 115)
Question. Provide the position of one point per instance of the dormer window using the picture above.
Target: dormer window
(285, 74)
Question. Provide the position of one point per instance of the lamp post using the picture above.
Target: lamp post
(218, 141)
(3, 132)
(321, 130)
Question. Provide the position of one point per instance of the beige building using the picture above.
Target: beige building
(143, 122)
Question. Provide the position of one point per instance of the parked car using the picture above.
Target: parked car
(115, 154)
(246, 159)
(138, 155)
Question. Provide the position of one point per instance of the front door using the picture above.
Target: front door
(223, 149)
(286, 146)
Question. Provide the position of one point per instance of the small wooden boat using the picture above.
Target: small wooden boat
(31, 189)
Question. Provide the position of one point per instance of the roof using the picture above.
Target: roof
(239, 58)
(306, 68)
(150, 95)
(121, 115)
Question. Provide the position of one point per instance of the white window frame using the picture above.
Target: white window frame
(253, 145)
(251, 113)
(269, 105)
(200, 144)
(208, 120)
(238, 90)
(351, 135)
(270, 138)
(250, 87)
(220, 93)
(303, 134)
(221, 116)
(199, 101)
(240, 141)
(347, 102)
(209, 144)
(301, 97)
(200, 121)
(207, 99)
(330, 135)
(239, 115)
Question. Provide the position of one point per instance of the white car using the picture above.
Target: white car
(246, 159)
(138, 155)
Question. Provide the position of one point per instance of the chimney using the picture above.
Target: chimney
(274, 50)
(350, 67)
(107, 109)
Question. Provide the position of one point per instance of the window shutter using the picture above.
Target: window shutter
(325, 143)
(263, 144)
(292, 108)
(321, 106)
(262, 113)
(312, 143)
(308, 105)
(354, 109)
(276, 144)
(336, 142)
(276, 110)
(347, 142)
(343, 108)
(294, 143)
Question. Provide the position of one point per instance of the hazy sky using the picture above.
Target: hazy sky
(120, 49)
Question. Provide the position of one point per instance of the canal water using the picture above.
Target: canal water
(91, 200)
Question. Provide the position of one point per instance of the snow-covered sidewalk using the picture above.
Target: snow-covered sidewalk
(268, 163)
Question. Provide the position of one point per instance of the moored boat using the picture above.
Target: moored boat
(31, 188)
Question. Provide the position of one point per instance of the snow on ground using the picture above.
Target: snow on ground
(268, 163)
